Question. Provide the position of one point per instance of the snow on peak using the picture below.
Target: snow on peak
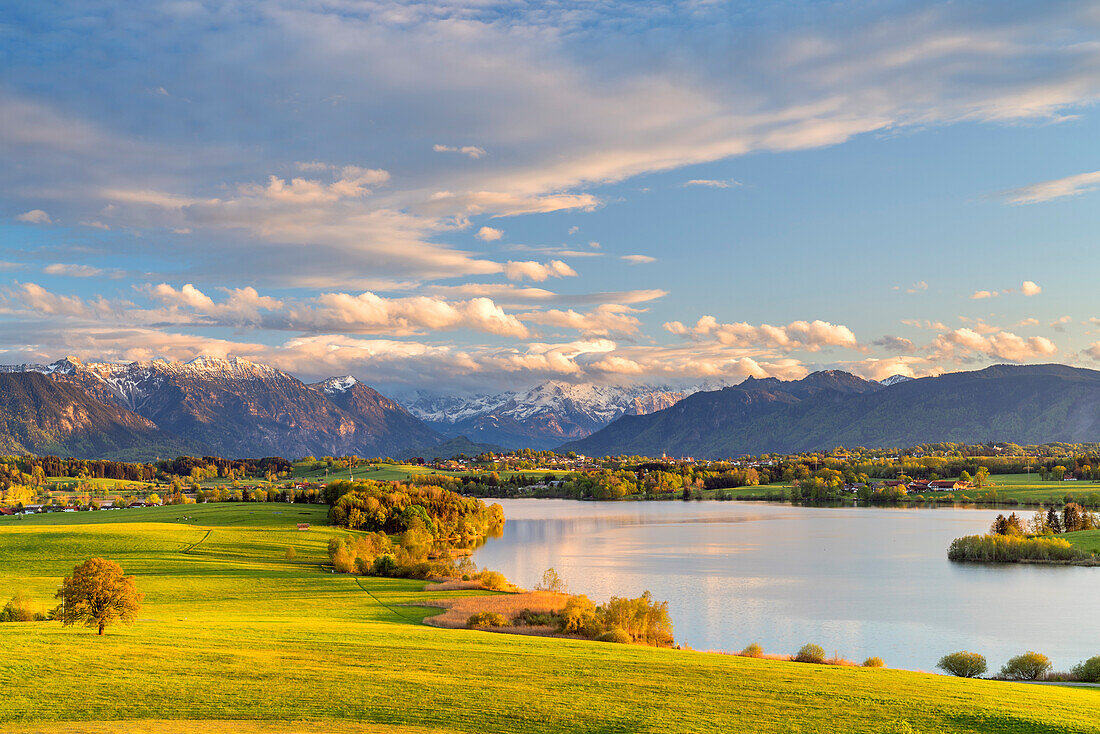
(894, 379)
(335, 385)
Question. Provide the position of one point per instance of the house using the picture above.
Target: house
(303, 526)
(948, 485)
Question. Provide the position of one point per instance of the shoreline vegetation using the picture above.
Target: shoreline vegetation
(1055, 538)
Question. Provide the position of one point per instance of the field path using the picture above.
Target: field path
(194, 545)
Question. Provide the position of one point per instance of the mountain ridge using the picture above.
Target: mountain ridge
(1018, 403)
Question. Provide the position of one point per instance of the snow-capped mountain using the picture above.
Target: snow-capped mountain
(543, 416)
(235, 407)
(893, 380)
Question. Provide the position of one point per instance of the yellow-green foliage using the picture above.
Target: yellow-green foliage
(1013, 548)
(231, 632)
(487, 619)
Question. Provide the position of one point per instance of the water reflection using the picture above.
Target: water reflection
(860, 581)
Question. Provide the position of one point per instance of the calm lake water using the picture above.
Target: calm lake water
(858, 581)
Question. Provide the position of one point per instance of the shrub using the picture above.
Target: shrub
(551, 581)
(873, 662)
(487, 619)
(643, 619)
(384, 565)
(536, 619)
(1012, 549)
(752, 650)
(810, 653)
(290, 554)
(1088, 671)
(963, 664)
(578, 617)
(493, 580)
(617, 635)
(21, 609)
(1029, 666)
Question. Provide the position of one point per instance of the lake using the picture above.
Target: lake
(857, 581)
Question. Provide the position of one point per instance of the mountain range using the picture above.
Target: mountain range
(1025, 404)
(227, 407)
(237, 408)
(543, 416)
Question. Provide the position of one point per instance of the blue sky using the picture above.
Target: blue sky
(480, 195)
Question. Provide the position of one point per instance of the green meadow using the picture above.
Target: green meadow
(234, 637)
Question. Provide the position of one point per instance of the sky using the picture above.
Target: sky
(465, 197)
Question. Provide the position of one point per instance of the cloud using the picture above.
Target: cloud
(712, 183)
(73, 271)
(895, 344)
(810, 336)
(1029, 288)
(1029, 322)
(1058, 188)
(875, 368)
(35, 216)
(608, 319)
(537, 271)
(638, 259)
(917, 287)
(1059, 324)
(471, 151)
(1093, 351)
(1001, 345)
(489, 234)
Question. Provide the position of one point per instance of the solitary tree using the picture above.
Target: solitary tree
(98, 594)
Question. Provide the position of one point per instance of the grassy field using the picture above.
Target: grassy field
(233, 632)
(1085, 539)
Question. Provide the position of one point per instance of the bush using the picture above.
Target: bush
(810, 653)
(493, 580)
(384, 565)
(532, 618)
(487, 619)
(752, 650)
(578, 617)
(21, 609)
(1029, 666)
(963, 664)
(1013, 549)
(617, 635)
(1088, 671)
(874, 663)
(290, 554)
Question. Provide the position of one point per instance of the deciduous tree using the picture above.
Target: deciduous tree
(98, 594)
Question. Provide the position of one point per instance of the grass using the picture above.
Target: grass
(232, 632)
(1088, 540)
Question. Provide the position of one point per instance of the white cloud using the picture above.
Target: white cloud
(1029, 288)
(810, 336)
(1000, 345)
(73, 271)
(537, 271)
(35, 216)
(712, 183)
(917, 287)
(639, 259)
(608, 319)
(489, 234)
(1054, 189)
(471, 151)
